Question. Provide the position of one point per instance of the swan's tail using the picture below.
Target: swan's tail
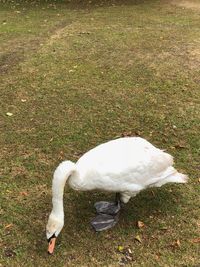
(171, 175)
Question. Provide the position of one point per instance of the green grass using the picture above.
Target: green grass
(90, 72)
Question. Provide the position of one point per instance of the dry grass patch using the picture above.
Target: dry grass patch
(195, 5)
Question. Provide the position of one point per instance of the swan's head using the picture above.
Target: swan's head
(53, 228)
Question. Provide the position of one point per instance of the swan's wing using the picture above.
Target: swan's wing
(123, 163)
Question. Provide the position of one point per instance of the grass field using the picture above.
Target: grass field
(75, 74)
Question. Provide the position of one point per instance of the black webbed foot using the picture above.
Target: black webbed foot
(110, 208)
(107, 214)
(104, 222)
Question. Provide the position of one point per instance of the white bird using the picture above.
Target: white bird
(125, 166)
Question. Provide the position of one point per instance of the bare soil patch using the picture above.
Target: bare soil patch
(9, 60)
(194, 57)
(187, 4)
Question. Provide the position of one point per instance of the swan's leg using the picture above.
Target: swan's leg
(111, 208)
(107, 214)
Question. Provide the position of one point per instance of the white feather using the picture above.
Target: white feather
(123, 165)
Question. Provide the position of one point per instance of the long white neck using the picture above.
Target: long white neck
(61, 174)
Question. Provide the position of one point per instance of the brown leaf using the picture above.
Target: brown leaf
(125, 134)
(140, 224)
(23, 193)
(9, 226)
(129, 258)
(176, 244)
(180, 146)
(138, 238)
(157, 257)
(9, 252)
(196, 240)
(164, 228)
(138, 133)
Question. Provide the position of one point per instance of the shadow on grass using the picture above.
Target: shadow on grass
(79, 210)
(152, 202)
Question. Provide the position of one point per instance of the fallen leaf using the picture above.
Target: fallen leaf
(196, 240)
(140, 224)
(9, 252)
(130, 251)
(138, 238)
(138, 133)
(164, 228)
(9, 114)
(125, 134)
(120, 248)
(180, 146)
(24, 193)
(129, 258)
(8, 226)
(178, 243)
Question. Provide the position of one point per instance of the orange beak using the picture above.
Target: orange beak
(51, 246)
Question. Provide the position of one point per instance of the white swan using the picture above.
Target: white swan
(125, 165)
